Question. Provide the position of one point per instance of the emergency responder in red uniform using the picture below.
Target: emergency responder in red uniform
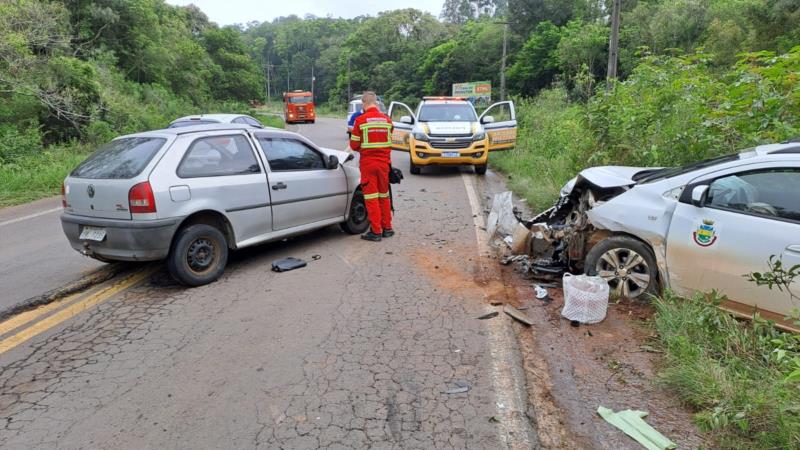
(372, 138)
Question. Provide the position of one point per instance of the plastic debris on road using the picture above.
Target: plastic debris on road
(518, 315)
(501, 219)
(541, 293)
(585, 298)
(488, 315)
(287, 264)
(463, 387)
(632, 424)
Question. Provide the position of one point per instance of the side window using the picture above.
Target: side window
(769, 193)
(290, 154)
(240, 120)
(218, 156)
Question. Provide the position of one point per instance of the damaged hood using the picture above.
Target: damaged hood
(342, 155)
(605, 177)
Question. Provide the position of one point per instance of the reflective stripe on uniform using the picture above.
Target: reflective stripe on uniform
(374, 196)
(383, 195)
(355, 138)
(367, 127)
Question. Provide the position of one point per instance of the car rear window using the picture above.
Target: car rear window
(190, 123)
(119, 159)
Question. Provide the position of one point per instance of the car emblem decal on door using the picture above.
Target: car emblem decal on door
(706, 234)
(90, 191)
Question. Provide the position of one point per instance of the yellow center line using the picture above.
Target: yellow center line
(74, 309)
(27, 316)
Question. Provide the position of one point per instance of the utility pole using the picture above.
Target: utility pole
(288, 64)
(613, 45)
(268, 68)
(313, 79)
(503, 64)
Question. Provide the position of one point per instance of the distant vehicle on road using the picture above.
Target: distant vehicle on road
(208, 119)
(298, 107)
(447, 131)
(694, 228)
(192, 194)
(355, 106)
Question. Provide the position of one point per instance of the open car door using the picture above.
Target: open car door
(500, 123)
(402, 121)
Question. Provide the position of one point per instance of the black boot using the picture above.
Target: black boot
(370, 236)
(387, 233)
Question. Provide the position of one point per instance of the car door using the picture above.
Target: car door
(500, 123)
(403, 120)
(302, 189)
(745, 216)
(221, 172)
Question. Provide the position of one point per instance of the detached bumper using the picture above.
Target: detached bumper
(423, 154)
(126, 240)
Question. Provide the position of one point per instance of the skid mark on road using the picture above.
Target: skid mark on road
(507, 374)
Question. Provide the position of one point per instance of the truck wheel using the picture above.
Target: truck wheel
(357, 221)
(481, 169)
(414, 169)
(627, 264)
(198, 256)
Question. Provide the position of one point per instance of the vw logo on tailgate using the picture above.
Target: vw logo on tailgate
(90, 191)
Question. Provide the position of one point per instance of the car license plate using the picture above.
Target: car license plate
(450, 154)
(93, 234)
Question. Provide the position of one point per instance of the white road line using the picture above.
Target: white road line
(29, 216)
(516, 430)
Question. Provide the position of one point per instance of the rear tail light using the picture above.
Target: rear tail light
(63, 195)
(141, 199)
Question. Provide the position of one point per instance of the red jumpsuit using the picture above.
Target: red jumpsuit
(372, 138)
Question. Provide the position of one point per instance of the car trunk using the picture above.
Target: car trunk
(107, 199)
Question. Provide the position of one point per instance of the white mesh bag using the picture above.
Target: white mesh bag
(585, 298)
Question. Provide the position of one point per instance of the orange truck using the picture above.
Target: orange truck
(298, 106)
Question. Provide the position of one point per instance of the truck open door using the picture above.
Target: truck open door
(500, 123)
(403, 121)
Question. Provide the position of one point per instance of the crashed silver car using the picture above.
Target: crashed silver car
(693, 228)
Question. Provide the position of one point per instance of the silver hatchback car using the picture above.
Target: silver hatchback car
(192, 194)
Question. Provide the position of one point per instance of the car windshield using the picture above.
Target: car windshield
(448, 113)
(190, 123)
(301, 99)
(653, 175)
(119, 159)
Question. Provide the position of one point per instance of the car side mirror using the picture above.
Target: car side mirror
(333, 162)
(488, 119)
(699, 195)
(407, 120)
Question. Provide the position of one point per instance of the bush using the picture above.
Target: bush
(735, 374)
(15, 143)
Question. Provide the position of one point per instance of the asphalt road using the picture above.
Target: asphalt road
(373, 345)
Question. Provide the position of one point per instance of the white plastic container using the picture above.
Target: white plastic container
(585, 298)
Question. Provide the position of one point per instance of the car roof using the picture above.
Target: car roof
(215, 117)
(200, 129)
(784, 148)
(444, 102)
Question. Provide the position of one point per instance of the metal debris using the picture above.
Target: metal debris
(518, 315)
(488, 315)
(287, 264)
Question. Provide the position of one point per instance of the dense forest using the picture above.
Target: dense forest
(695, 76)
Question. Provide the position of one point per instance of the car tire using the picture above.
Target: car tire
(357, 221)
(414, 169)
(198, 256)
(481, 169)
(627, 264)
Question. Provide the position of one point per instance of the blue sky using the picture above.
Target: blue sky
(226, 12)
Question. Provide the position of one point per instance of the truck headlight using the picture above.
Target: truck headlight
(479, 136)
(420, 136)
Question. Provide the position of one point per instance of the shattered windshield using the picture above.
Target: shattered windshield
(653, 175)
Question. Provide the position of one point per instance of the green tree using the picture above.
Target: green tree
(537, 63)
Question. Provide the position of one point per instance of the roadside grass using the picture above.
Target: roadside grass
(39, 175)
(732, 373)
(270, 119)
(552, 146)
(332, 110)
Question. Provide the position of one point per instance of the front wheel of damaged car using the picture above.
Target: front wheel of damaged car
(357, 221)
(198, 256)
(628, 265)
